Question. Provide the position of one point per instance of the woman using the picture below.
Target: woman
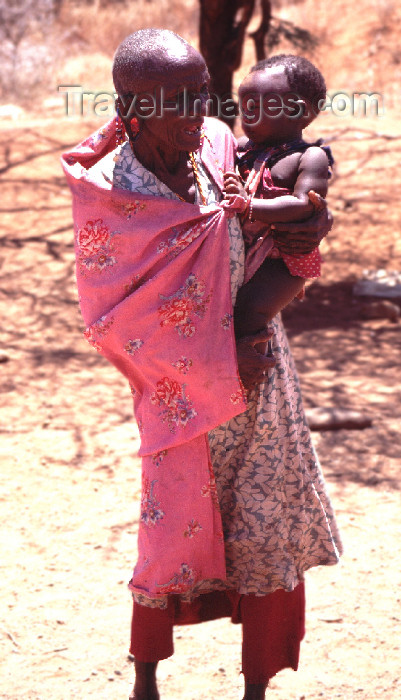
(233, 507)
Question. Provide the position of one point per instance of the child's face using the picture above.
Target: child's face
(270, 111)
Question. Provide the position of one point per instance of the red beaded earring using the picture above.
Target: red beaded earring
(134, 124)
(119, 129)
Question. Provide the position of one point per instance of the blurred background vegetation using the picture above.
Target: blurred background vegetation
(45, 43)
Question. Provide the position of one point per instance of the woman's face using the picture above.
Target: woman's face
(172, 104)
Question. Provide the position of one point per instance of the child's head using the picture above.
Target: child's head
(280, 97)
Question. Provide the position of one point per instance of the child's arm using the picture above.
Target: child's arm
(312, 175)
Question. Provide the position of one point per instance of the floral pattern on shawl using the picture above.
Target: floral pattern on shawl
(177, 408)
(226, 321)
(209, 490)
(132, 346)
(132, 208)
(192, 528)
(180, 582)
(162, 548)
(183, 236)
(151, 511)
(183, 365)
(267, 484)
(129, 174)
(180, 308)
(158, 457)
(96, 246)
(98, 330)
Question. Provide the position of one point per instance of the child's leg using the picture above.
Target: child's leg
(281, 286)
(271, 288)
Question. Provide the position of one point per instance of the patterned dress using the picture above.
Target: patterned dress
(277, 517)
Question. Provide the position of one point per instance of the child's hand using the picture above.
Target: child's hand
(233, 185)
(236, 198)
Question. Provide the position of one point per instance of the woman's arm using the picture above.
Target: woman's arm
(300, 238)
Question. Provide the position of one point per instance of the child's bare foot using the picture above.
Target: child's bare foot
(145, 687)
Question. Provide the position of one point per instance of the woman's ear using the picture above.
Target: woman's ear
(119, 106)
(125, 104)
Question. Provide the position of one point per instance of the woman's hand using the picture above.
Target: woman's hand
(303, 237)
(252, 365)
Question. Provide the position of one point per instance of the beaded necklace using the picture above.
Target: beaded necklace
(196, 176)
(194, 170)
(197, 179)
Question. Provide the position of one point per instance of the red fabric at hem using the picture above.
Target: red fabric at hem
(272, 627)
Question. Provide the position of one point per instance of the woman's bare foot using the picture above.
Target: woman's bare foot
(145, 687)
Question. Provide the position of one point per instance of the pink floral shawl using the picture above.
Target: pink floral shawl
(154, 287)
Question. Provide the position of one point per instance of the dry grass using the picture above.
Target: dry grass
(103, 28)
(78, 46)
(99, 30)
(358, 48)
(359, 45)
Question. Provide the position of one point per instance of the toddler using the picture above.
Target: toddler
(277, 169)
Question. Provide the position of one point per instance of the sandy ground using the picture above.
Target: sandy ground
(70, 475)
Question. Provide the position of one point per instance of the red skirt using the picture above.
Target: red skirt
(272, 628)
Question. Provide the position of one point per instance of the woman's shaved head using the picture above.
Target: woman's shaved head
(147, 55)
